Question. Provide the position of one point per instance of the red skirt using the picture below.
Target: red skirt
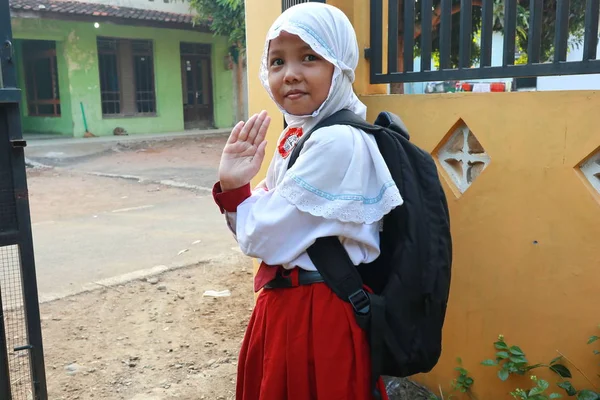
(303, 343)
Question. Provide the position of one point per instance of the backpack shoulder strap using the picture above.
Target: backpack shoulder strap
(327, 253)
(342, 277)
(342, 117)
(339, 273)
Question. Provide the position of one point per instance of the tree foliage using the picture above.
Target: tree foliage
(576, 26)
(226, 18)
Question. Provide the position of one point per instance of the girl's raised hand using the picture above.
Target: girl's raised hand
(244, 152)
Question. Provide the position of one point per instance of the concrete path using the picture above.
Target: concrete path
(112, 211)
(62, 150)
(87, 252)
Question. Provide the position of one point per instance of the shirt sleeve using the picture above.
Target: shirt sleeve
(229, 201)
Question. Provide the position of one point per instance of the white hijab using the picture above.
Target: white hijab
(311, 185)
(327, 30)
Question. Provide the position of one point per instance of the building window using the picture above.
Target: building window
(41, 78)
(126, 77)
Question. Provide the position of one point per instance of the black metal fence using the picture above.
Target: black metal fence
(430, 22)
(22, 371)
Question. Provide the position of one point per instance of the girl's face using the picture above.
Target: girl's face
(298, 77)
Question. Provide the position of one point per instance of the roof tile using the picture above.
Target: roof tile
(99, 10)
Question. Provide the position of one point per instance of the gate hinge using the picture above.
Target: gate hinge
(18, 143)
(9, 51)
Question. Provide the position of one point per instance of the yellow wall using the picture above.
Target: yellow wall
(543, 296)
(526, 233)
(358, 11)
(260, 14)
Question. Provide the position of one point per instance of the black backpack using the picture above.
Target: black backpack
(410, 280)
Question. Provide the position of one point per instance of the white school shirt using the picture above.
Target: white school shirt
(270, 228)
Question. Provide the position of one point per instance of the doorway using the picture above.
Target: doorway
(196, 77)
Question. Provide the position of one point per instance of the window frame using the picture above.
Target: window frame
(33, 102)
(131, 100)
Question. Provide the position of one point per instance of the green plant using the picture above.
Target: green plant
(464, 382)
(593, 339)
(537, 392)
(579, 394)
(585, 394)
(512, 360)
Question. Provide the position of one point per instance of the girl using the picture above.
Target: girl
(303, 341)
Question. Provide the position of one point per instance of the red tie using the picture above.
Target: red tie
(266, 273)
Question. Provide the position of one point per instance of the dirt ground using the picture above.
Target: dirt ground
(150, 340)
(158, 339)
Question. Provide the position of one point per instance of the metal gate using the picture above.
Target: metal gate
(22, 371)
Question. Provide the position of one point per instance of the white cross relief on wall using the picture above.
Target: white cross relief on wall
(463, 157)
(591, 170)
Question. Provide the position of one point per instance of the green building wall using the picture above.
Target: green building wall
(79, 78)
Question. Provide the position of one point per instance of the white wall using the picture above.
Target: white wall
(175, 6)
(497, 52)
(571, 82)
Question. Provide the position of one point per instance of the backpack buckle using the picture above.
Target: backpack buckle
(360, 302)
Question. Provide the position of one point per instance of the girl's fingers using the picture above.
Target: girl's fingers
(235, 132)
(259, 121)
(247, 128)
(260, 155)
(262, 131)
